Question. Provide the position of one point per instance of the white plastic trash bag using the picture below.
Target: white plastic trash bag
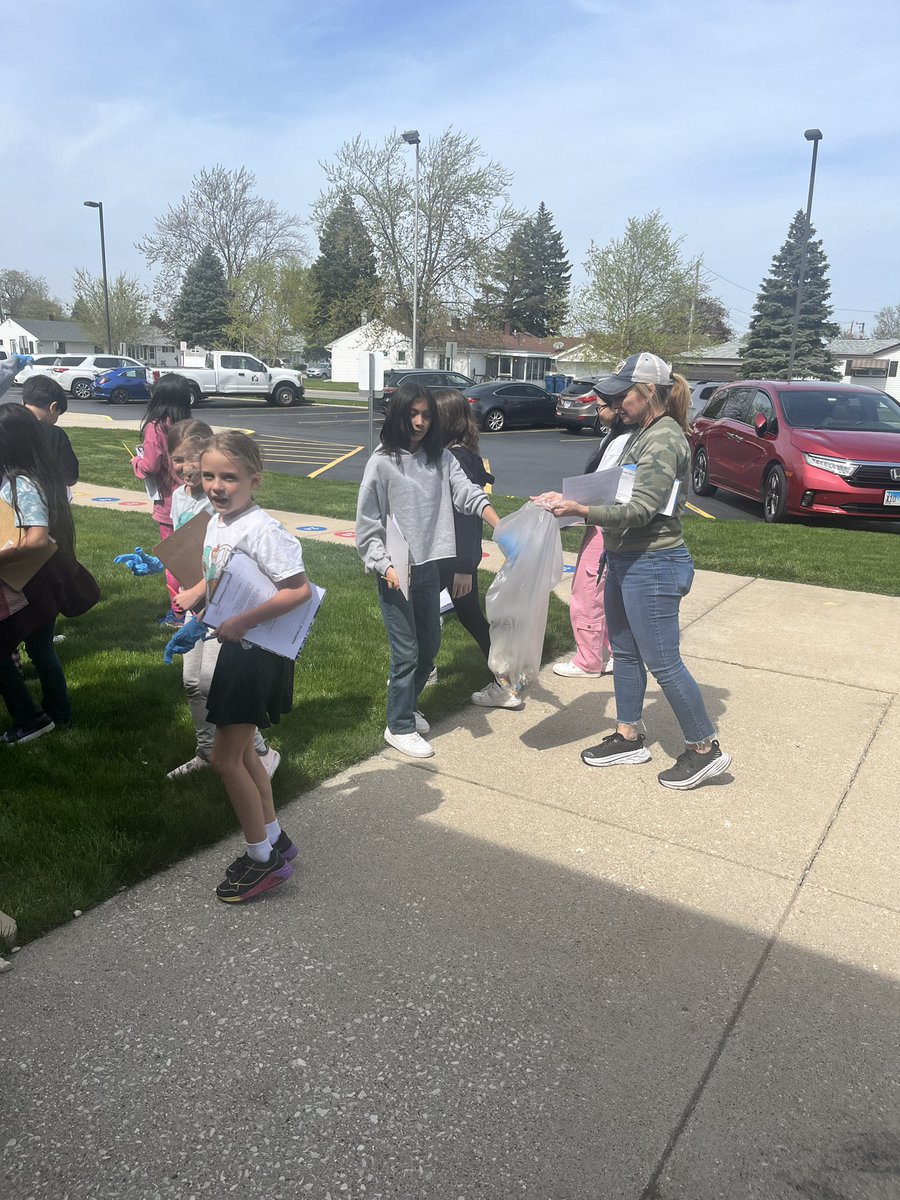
(518, 599)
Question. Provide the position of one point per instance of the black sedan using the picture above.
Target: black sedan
(509, 402)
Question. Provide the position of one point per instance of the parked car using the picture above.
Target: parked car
(429, 379)
(77, 372)
(576, 408)
(40, 366)
(319, 371)
(232, 373)
(801, 447)
(700, 393)
(510, 402)
(122, 385)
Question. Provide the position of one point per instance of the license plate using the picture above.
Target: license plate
(892, 498)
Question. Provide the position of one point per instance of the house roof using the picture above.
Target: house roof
(501, 341)
(54, 331)
(861, 347)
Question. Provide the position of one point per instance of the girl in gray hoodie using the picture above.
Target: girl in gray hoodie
(414, 480)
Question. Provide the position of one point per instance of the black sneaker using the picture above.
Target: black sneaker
(692, 768)
(28, 733)
(246, 878)
(615, 750)
(286, 847)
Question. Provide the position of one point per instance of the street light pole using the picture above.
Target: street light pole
(411, 137)
(814, 136)
(98, 204)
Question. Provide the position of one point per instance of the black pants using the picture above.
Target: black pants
(55, 694)
(468, 609)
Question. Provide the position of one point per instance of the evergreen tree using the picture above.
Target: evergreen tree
(528, 281)
(201, 315)
(767, 349)
(343, 276)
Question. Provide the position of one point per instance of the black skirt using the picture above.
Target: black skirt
(250, 687)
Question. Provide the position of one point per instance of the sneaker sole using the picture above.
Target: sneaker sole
(407, 753)
(614, 760)
(716, 767)
(276, 879)
(34, 735)
(577, 674)
(291, 854)
(512, 705)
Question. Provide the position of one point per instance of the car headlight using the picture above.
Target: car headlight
(837, 466)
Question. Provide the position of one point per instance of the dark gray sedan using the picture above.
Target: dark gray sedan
(508, 402)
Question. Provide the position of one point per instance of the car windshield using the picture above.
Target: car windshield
(580, 387)
(821, 408)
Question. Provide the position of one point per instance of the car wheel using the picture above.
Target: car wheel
(494, 420)
(775, 496)
(83, 389)
(700, 475)
(195, 394)
(284, 395)
(119, 396)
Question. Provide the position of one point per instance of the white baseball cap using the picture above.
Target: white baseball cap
(639, 368)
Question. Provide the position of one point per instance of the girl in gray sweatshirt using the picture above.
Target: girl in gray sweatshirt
(411, 478)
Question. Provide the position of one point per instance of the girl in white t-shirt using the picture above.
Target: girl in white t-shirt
(186, 441)
(251, 688)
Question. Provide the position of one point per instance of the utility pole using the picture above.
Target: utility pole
(694, 296)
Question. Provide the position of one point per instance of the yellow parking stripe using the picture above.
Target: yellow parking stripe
(334, 463)
(699, 511)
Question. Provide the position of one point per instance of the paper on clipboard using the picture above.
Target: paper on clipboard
(17, 574)
(398, 552)
(243, 585)
(181, 553)
(150, 482)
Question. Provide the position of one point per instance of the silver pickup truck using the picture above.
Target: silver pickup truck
(232, 373)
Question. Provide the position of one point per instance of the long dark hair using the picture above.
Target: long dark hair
(25, 450)
(396, 432)
(458, 424)
(612, 431)
(170, 402)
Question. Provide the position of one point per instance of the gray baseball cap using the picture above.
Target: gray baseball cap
(639, 368)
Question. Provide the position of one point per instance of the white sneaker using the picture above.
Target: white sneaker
(422, 725)
(270, 761)
(608, 666)
(409, 743)
(571, 671)
(431, 680)
(197, 763)
(495, 695)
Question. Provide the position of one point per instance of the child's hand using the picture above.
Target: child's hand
(462, 585)
(392, 579)
(233, 630)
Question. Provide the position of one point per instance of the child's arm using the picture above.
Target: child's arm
(154, 460)
(291, 593)
(31, 537)
(188, 599)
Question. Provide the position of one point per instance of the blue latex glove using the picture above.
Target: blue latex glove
(140, 563)
(25, 360)
(185, 639)
(508, 543)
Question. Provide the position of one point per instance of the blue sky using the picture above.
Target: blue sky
(602, 109)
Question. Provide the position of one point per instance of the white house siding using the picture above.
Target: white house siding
(16, 339)
(860, 370)
(371, 338)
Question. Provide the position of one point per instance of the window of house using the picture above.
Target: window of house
(401, 356)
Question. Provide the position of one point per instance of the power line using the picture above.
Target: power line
(754, 291)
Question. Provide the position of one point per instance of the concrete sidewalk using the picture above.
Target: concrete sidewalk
(498, 973)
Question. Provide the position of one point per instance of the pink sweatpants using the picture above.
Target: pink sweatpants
(586, 610)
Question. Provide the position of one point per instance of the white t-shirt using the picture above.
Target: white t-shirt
(185, 505)
(614, 451)
(260, 537)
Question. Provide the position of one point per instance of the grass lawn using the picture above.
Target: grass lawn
(802, 553)
(88, 811)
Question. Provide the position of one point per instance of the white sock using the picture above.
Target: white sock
(273, 831)
(259, 851)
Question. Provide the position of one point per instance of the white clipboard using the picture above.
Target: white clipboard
(243, 585)
(398, 552)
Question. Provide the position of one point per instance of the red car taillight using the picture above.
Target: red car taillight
(60, 370)
(472, 399)
(588, 399)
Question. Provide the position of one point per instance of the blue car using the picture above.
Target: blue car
(122, 385)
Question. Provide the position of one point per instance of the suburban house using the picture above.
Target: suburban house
(478, 353)
(869, 361)
(22, 335)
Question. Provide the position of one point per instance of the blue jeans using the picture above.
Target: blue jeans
(643, 594)
(414, 635)
(54, 693)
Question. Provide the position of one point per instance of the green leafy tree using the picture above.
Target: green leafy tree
(528, 280)
(25, 295)
(343, 277)
(272, 305)
(639, 294)
(767, 348)
(129, 307)
(464, 217)
(201, 314)
(887, 322)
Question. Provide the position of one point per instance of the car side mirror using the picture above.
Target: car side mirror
(760, 424)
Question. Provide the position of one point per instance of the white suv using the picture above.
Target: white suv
(77, 372)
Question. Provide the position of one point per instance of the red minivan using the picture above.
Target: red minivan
(801, 447)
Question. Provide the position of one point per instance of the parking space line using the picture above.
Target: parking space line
(699, 511)
(334, 463)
